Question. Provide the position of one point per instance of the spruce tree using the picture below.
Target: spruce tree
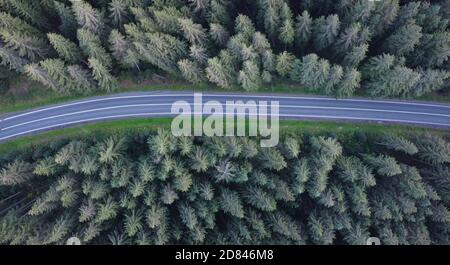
(102, 75)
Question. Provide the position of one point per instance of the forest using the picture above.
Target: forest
(149, 187)
(389, 48)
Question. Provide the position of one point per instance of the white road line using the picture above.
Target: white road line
(275, 96)
(168, 113)
(75, 122)
(223, 95)
(90, 101)
(165, 104)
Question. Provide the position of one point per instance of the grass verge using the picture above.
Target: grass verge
(131, 125)
(37, 96)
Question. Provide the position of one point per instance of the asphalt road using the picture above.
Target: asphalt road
(159, 103)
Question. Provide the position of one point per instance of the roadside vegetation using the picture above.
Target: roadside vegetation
(340, 48)
(25, 95)
(321, 185)
(124, 127)
(132, 182)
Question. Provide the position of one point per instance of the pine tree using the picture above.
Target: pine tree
(168, 194)
(320, 229)
(355, 56)
(325, 30)
(167, 18)
(312, 72)
(269, 14)
(121, 48)
(301, 173)
(87, 211)
(155, 216)
(430, 80)
(231, 203)
(92, 47)
(111, 150)
(81, 78)
(107, 210)
(433, 149)
(31, 47)
(66, 49)
(403, 40)
(37, 73)
(385, 165)
(272, 160)
(31, 12)
(188, 216)
(162, 143)
(384, 16)
(11, 60)
(285, 226)
(15, 173)
(349, 83)
(303, 29)
(430, 17)
(56, 69)
(398, 143)
(101, 73)
(378, 66)
(220, 73)
(287, 32)
(353, 36)
(218, 33)
(162, 50)
(118, 12)
(220, 12)
(194, 33)
(284, 63)
(191, 71)
(260, 42)
(384, 78)
(398, 82)
(58, 230)
(199, 160)
(359, 12)
(132, 223)
(260, 199)
(199, 54)
(334, 78)
(91, 232)
(249, 77)
(15, 24)
(200, 5)
(433, 50)
(67, 17)
(87, 17)
(45, 167)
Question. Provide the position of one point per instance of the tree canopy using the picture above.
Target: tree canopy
(150, 187)
(247, 44)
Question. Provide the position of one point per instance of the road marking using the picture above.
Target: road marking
(166, 104)
(274, 97)
(194, 113)
(86, 102)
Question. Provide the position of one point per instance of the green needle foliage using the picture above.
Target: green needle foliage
(153, 188)
(338, 48)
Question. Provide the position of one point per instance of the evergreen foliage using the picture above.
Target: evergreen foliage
(233, 44)
(309, 189)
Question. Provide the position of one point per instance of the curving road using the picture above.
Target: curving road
(158, 104)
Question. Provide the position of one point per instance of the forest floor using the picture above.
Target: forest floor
(122, 127)
(24, 94)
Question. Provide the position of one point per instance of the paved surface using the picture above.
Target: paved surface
(159, 103)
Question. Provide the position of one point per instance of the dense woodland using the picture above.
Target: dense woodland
(388, 48)
(151, 188)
